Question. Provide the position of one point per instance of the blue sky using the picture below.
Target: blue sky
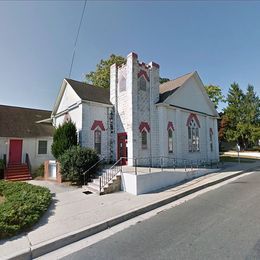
(219, 39)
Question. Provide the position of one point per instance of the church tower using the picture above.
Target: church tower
(134, 91)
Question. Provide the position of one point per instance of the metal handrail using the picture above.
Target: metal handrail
(94, 165)
(27, 161)
(5, 160)
(110, 174)
(117, 167)
(165, 161)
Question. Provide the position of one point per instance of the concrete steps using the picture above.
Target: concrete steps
(112, 186)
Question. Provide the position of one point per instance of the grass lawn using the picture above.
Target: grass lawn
(225, 158)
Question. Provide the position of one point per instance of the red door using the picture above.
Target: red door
(15, 151)
(122, 147)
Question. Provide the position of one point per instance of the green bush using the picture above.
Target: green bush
(39, 172)
(24, 204)
(75, 161)
(65, 136)
(254, 149)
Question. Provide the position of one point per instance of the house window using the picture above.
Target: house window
(42, 147)
(122, 84)
(144, 139)
(142, 84)
(97, 141)
(193, 136)
(170, 141)
(211, 140)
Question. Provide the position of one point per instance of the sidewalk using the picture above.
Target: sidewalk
(74, 215)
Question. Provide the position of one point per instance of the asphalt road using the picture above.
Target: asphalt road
(220, 224)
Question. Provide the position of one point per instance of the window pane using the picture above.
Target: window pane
(98, 148)
(142, 84)
(170, 141)
(122, 84)
(197, 140)
(97, 141)
(144, 140)
(193, 138)
(211, 141)
(189, 132)
(42, 147)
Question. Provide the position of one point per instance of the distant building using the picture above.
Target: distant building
(139, 118)
(25, 143)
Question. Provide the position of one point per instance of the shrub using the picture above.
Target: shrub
(65, 136)
(24, 204)
(75, 161)
(254, 149)
(39, 172)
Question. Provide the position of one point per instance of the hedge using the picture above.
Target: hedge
(23, 206)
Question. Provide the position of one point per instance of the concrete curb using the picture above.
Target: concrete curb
(61, 241)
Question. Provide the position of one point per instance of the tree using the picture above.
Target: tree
(163, 80)
(65, 136)
(243, 114)
(215, 94)
(101, 77)
(222, 127)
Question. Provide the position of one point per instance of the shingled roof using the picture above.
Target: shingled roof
(21, 122)
(89, 92)
(169, 87)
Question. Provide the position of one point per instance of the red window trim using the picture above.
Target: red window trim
(144, 125)
(98, 123)
(193, 116)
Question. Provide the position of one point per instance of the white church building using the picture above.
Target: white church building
(139, 118)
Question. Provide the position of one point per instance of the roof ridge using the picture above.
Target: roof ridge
(82, 82)
(30, 108)
(180, 77)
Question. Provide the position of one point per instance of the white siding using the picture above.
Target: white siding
(92, 112)
(191, 97)
(30, 146)
(75, 116)
(179, 118)
(69, 98)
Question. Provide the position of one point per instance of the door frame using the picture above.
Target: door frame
(10, 147)
(119, 140)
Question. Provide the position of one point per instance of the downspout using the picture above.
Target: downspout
(116, 112)
(150, 113)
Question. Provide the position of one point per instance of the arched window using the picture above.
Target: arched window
(211, 140)
(142, 83)
(170, 141)
(122, 84)
(193, 136)
(144, 139)
(97, 141)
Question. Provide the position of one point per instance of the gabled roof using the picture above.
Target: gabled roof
(169, 87)
(89, 92)
(21, 122)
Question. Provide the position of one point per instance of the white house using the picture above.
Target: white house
(139, 118)
(25, 143)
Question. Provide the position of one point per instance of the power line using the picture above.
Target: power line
(76, 40)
